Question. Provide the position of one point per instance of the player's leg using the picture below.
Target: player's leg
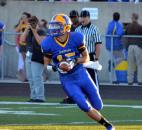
(74, 91)
(95, 115)
(95, 101)
(91, 91)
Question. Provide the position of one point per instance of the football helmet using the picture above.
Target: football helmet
(59, 25)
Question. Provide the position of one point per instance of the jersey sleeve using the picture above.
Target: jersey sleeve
(80, 42)
(45, 45)
(2, 26)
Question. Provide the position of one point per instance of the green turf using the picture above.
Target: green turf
(108, 101)
(68, 115)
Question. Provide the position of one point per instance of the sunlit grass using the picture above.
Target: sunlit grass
(69, 127)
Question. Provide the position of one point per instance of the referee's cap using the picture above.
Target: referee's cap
(74, 13)
(85, 13)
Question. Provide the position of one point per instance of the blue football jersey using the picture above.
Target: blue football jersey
(66, 51)
(77, 79)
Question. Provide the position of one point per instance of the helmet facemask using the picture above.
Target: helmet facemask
(59, 25)
(56, 29)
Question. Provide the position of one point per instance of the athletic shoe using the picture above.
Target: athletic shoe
(67, 100)
(110, 128)
(38, 100)
(31, 100)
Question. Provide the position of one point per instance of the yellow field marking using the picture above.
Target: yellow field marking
(69, 127)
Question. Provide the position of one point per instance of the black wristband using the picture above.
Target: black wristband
(75, 60)
(96, 59)
(54, 68)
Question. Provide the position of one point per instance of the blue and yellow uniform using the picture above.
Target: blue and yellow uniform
(76, 82)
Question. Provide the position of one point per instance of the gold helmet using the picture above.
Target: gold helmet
(59, 25)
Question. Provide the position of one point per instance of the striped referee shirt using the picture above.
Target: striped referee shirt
(92, 36)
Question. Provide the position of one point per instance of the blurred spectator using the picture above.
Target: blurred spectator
(2, 26)
(83, 0)
(20, 28)
(43, 25)
(118, 0)
(135, 1)
(21, 75)
(66, 0)
(21, 46)
(115, 28)
(33, 35)
(74, 16)
(134, 50)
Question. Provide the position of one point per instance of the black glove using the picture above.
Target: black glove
(54, 68)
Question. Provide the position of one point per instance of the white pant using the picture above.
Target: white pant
(134, 62)
(20, 60)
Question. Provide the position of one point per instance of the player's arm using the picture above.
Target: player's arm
(47, 61)
(98, 50)
(84, 55)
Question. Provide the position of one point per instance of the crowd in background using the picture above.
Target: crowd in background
(31, 62)
(4, 2)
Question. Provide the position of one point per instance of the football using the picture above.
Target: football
(65, 66)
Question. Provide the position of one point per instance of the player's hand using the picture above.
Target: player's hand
(64, 66)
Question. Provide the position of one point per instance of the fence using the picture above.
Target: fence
(9, 57)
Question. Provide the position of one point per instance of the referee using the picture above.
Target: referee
(92, 39)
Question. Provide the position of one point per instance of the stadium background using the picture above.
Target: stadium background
(12, 11)
(128, 97)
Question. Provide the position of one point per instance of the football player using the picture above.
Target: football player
(68, 52)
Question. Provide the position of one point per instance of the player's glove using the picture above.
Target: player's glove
(93, 65)
(51, 67)
(66, 65)
(54, 68)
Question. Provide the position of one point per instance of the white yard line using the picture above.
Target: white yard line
(58, 105)
(114, 121)
(124, 106)
(27, 103)
(26, 113)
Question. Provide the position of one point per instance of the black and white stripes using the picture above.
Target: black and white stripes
(92, 36)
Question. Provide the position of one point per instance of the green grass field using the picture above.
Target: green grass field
(15, 111)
